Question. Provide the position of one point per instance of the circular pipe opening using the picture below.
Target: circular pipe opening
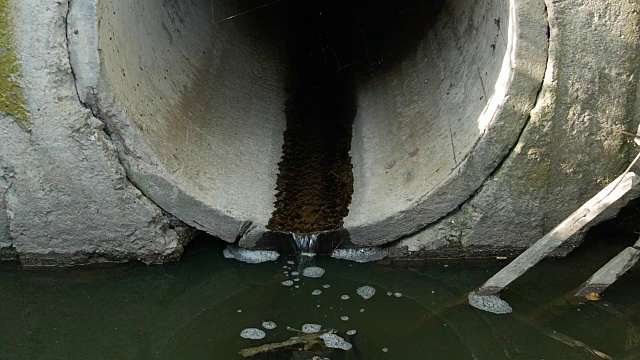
(247, 116)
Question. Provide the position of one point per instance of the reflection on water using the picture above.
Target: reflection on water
(197, 308)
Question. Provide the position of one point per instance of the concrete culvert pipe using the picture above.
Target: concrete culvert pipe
(244, 117)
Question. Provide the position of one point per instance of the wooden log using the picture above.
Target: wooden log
(306, 341)
(556, 237)
(610, 272)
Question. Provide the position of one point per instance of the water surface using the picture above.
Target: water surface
(196, 309)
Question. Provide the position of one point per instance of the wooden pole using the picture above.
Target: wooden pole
(555, 237)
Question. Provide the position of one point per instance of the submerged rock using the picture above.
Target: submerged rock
(335, 342)
(252, 334)
(313, 272)
(366, 292)
(249, 256)
(361, 255)
(311, 328)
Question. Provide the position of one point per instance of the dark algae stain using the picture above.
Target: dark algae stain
(332, 45)
(315, 181)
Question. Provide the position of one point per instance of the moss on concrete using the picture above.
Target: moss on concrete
(12, 100)
(540, 173)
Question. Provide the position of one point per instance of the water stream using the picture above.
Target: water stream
(306, 244)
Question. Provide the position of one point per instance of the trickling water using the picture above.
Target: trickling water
(306, 244)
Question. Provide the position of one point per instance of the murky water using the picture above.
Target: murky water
(197, 308)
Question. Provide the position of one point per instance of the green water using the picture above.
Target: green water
(195, 309)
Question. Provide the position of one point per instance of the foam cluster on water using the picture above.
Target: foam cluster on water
(313, 272)
(249, 256)
(366, 292)
(269, 325)
(287, 283)
(351, 332)
(252, 334)
(311, 328)
(316, 292)
(335, 342)
(490, 303)
(361, 255)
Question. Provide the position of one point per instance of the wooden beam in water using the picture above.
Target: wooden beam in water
(611, 271)
(606, 197)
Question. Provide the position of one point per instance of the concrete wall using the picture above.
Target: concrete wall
(498, 124)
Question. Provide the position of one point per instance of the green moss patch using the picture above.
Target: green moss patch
(12, 100)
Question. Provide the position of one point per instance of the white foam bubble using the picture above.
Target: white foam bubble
(249, 256)
(344, 297)
(316, 292)
(290, 262)
(389, 293)
(252, 334)
(326, 286)
(366, 292)
(361, 310)
(360, 255)
(397, 294)
(296, 279)
(287, 283)
(344, 318)
(313, 272)
(351, 332)
(295, 273)
(385, 349)
(269, 325)
(335, 342)
(311, 328)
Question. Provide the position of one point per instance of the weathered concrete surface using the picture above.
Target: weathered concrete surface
(448, 154)
(568, 150)
(197, 108)
(69, 199)
(430, 132)
(610, 272)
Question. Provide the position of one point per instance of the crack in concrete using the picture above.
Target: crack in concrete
(95, 113)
